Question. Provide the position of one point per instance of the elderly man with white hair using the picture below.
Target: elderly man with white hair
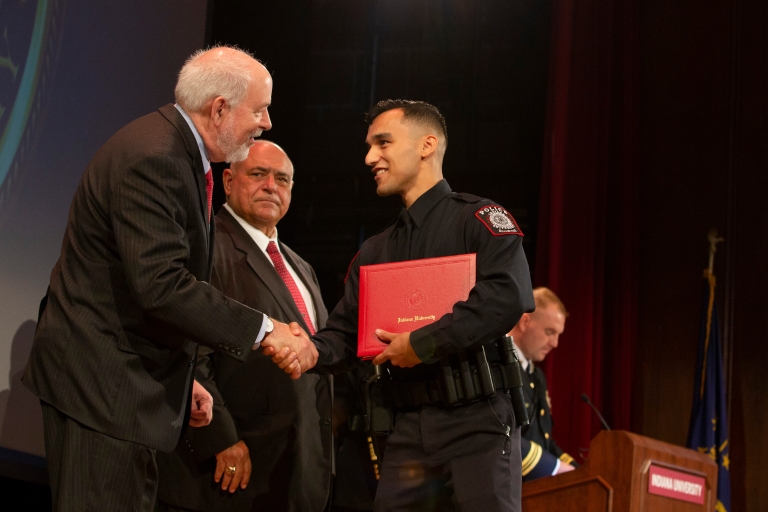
(129, 300)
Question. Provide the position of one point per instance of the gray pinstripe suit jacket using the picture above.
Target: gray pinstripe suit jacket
(128, 299)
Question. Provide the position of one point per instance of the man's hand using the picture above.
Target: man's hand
(202, 406)
(286, 360)
(564, 468)
(236, 456)
(302, 353)
(399, 351)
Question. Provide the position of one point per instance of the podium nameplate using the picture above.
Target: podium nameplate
(676, 484)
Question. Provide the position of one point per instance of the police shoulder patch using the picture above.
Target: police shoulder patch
(498, 220)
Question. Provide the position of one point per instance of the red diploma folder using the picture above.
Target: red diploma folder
(403, 296)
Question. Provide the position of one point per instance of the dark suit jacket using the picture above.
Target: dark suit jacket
(286, 423)
(127, 303)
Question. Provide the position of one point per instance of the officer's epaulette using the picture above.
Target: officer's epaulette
(467, 198)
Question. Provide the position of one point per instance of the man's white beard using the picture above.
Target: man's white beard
(227, 142)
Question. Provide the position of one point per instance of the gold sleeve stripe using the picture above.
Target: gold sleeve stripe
(532, 459)
(566, 458)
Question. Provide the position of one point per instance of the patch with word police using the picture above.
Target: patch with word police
(498, 221)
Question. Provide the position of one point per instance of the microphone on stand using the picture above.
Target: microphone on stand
(587, 401)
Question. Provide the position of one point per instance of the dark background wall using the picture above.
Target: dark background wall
(703, 158)
(484, 64)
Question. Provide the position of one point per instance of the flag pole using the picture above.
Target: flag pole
(710, 276)
(708, 430)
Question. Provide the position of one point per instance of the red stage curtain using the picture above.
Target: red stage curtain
(589, 220)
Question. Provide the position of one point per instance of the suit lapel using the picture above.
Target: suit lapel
(262, 267)
(177, 120)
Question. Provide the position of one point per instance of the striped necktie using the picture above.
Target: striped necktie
(285, 275)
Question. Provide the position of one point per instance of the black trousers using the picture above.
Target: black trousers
(90, 471)
(464, 458)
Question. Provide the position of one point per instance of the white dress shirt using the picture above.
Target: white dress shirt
(262, 241)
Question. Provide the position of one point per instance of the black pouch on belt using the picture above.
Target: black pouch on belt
(513, 380)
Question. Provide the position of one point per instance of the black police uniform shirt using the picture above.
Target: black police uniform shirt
(441, 223)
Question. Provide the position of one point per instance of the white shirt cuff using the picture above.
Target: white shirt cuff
(260, 337)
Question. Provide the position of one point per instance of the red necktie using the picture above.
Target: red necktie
(209, 191)
(282, 270)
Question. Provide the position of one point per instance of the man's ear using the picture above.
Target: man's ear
(525, 322)
(226, 179)
(218, 107)
(429, 145)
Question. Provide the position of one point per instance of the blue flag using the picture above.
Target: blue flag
(708, 431)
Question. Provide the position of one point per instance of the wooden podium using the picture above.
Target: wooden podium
(626, 472)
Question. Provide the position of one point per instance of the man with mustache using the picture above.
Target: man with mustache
(128, 302)
(268, 447)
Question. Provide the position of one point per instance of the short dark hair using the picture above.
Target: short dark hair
(419, 111)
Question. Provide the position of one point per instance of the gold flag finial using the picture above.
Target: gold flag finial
(713, 241)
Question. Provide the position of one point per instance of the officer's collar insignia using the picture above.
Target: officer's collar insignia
(549, 402)
(498, 221)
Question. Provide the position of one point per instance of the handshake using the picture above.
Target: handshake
(290, 348)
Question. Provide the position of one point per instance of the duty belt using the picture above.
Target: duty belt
(438, 392)
(464, 381)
